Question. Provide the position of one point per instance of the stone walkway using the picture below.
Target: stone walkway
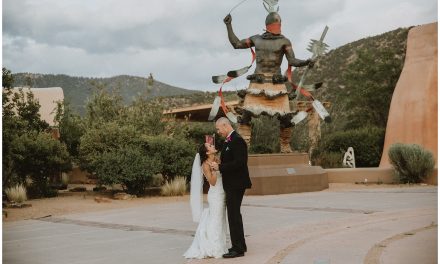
(366, 225)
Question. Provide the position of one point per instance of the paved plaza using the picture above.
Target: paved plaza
(371, 224)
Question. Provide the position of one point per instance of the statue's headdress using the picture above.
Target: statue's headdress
(270, 5)
(273, 19)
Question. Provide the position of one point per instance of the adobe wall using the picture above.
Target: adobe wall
(413, 112)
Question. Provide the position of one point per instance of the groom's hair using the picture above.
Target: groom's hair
(223, 121)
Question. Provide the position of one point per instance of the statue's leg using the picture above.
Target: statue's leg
(285, 134)
(245, 133)
(244, 127)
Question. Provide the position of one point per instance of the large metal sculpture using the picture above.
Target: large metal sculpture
(267, 93)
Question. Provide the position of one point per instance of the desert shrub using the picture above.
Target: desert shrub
(157, 180)
(115, 132)
(129, 166)
(265, 135)
(40, 157)
(257, 148)
(197, 131)
(300, 137)
(145, 115)
(175, 154)
(64, 179)
(103, 107)
(16, 193)
(174, 187)
(412, 162)
(366, 142)
(107, 138)
(330, 159)
(115, 155)
(36, 191)
(71, 127)
(20, 116)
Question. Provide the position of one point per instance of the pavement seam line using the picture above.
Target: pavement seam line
(374, 254)
(323, 209)
(283, 253)
(122, 227)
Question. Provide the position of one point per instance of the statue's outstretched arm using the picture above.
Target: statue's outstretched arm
(290, 55)
(235, 42)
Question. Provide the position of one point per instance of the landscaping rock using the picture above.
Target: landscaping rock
(102, 200)
(17, 205)
(78, 189)
(123, 196)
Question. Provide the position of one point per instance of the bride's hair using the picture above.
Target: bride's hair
(202, 153)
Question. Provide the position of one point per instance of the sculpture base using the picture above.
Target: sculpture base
(284, 173)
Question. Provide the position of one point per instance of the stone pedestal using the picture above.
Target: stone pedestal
(284, 173)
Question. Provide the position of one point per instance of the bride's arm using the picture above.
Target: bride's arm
(211, 177)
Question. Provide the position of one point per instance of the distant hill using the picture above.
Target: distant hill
(78, 89)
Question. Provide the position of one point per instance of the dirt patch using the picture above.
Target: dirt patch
(68, 203)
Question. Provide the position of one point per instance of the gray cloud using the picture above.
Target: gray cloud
(181, 42)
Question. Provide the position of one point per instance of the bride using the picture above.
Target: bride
(210, 237)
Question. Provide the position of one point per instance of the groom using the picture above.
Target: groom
(235, 174)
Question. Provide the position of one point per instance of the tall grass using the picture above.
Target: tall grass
(64, 178)
(177, 186)
(16, 194)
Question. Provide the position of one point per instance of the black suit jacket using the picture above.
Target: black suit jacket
(233, 166)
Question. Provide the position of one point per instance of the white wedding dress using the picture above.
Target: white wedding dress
(210, 237)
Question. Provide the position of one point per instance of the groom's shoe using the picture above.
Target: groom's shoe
(233, 254)
(232, 249)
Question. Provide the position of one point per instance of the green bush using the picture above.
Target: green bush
(40, 157)
(176, 154)
(71, 127)
(20, 116)
(107, 138)
(265, 136)
(412, 162)
(103, 107)
(128, 166)
(122, 155)
(366, 142)
(330, 159)
(35, 191)
(145, 115)
(197, 131)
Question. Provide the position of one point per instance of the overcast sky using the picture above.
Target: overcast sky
(182, 42)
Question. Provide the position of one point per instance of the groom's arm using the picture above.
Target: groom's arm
(239, 155)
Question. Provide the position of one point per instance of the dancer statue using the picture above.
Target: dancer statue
(267, 93)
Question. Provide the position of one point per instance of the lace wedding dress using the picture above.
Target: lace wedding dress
(210, 237)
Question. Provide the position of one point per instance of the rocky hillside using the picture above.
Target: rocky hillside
(361, 74)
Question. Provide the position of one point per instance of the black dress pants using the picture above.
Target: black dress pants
(233, 203)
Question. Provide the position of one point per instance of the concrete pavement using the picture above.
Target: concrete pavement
(360, 225)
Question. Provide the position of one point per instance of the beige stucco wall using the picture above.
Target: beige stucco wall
(48, 98)
(413, 113)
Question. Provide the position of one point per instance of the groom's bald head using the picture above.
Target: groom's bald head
(223, 126)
